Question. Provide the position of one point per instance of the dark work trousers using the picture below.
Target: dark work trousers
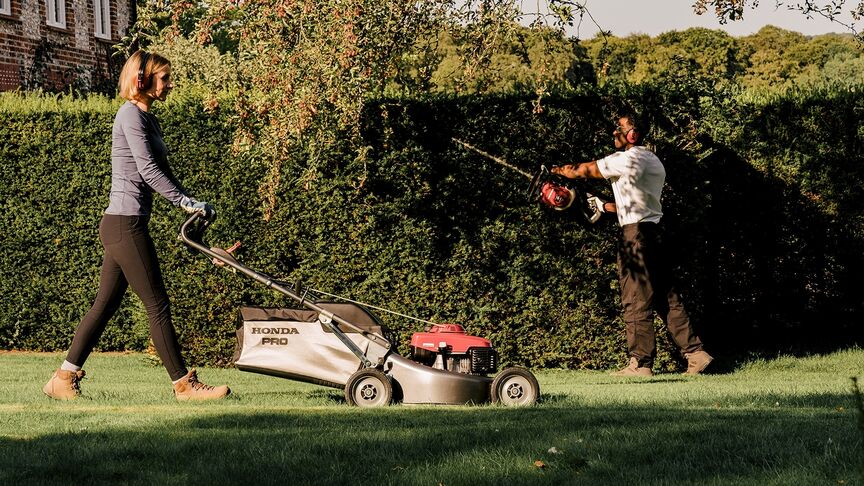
(646, 287)
(130, 259)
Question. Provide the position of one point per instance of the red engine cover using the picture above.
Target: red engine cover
(450, 336)
(556, 196)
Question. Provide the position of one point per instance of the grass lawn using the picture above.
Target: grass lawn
(789, 421)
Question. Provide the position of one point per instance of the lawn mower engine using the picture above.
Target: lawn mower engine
(449, 347)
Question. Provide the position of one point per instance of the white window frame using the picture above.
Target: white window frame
(5, 7)
(102, 19)
(55, 13)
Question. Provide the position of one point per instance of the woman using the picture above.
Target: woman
(139, 167)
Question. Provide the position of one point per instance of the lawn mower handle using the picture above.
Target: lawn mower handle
(192, 234)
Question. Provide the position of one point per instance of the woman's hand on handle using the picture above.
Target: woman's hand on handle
(192, 205)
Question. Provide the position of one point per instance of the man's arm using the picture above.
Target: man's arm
(585, 170)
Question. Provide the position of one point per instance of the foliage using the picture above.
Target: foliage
(151, 18)
(832, 10)
(305, 69)
(529, 61)
(196, 65)
(285, 126)
(302, 70)
(34, 104)
(541, 60)
(772, 58)
(420, 226)
(725, 10)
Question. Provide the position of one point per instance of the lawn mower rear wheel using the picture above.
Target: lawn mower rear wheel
(514, 387)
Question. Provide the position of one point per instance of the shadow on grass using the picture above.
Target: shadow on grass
(655, 380)
(329, 395)
(473, 445)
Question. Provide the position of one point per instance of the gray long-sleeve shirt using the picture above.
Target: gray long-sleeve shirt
(139, 164)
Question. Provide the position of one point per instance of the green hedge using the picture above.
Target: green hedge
(765, 222)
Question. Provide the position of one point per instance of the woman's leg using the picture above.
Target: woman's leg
(137, 257)
(141, 268)
(112, 286)
(63, 385)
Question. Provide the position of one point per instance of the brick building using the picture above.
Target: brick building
(57, 44)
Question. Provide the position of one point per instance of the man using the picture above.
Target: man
(637, 178)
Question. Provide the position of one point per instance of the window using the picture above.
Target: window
(5, 7)
(55, 13)
(102, 18)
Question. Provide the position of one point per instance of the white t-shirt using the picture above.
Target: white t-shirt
(637, 177)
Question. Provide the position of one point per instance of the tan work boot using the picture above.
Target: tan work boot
(63, 385)
(697, 362)
(633, 369)
(189, 388)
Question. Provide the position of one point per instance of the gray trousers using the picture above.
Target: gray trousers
(646, 288)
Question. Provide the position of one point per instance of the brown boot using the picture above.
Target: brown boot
(633, 369)
(63, 385)
(189, 388)
(697, 362)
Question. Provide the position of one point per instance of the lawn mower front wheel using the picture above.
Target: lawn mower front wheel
(515, 387)
(369, 388)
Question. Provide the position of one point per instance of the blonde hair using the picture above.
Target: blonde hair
(129, 74)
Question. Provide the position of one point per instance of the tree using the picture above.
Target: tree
(725, 10)
(615, 58)
(832, 10)
(714, 51)
(305, 68)
(776, 57)
(711, 53)
(766, 59)
(569, 12)
(529, 60)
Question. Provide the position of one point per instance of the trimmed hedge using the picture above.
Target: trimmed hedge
(765, 223)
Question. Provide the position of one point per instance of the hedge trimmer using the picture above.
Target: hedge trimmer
(550, 190)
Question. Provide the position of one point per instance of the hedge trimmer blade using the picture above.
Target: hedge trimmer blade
(550, 190)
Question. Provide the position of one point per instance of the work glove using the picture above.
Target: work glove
(192, 205)
(596, 206)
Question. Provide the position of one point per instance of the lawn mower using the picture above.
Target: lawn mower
(342, 344)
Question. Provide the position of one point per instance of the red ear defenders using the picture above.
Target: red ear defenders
(143, 81)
